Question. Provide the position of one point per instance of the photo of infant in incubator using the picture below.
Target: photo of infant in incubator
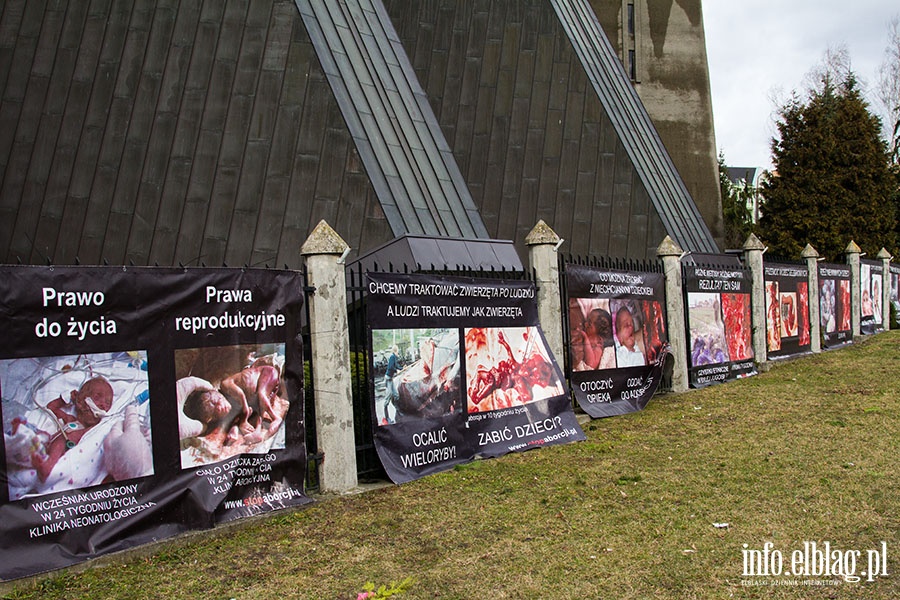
(71, 422)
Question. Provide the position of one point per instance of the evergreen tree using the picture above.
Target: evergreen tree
(832, 181)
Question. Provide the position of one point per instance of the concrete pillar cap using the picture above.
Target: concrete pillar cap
(668, 247)
(852, 248)
(323, 240)
(809, 252)
(541, 234)
(753, 243)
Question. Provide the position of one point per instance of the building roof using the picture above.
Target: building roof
(424, 253)
(172, 132)
(395, 131)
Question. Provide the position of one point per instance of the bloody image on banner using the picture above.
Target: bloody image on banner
(787, 310)
(617, 338)
(719, 323)
(460, 370)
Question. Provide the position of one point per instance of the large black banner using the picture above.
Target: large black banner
(787, 310)
(617, 338)
(139, 403)
(871, 296)
(460, 370)
(719, 323)
(834, 305)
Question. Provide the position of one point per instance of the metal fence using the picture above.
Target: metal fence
(309, 417)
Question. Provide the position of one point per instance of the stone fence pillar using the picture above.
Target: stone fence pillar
(811, 257)
(885, 257)
(671, 254)
(542, 245)
(853, 251)
(330, 347)
(753, 257)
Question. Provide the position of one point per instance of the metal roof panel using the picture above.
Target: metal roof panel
(371, 75)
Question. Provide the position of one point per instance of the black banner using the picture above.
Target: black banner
(895, 282)
(719, 323)
(871, 296)
(139, 403)
(460, 370)
(895, 294)
(834, 305)
(617, 338)
(787, 310)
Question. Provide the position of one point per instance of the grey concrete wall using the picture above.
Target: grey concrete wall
(673, 83)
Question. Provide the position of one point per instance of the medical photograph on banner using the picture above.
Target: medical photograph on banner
(719, 325)
(834, 305)
(871, 296)
(231, 400)
(139, 403)
(787, 310)
(617, 338)
(460, 370)
(72, 422)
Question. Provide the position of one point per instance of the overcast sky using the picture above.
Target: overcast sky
(757, 48)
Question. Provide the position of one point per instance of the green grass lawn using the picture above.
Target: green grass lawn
(806, 452)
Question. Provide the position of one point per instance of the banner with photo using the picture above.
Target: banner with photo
(460, 369)
(787, 310)
(617, 338)
(834, 305)
(895, 295)
(139, 403)
(719, 323)
(871, 296)
(895, 282)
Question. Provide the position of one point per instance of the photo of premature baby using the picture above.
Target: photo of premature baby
(71, 422)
